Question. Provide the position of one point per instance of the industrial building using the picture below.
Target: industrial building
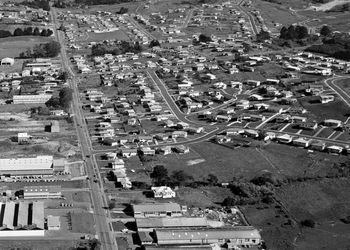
(239, 236)
(22, 219)
(42, 192)
(27, 99)
(39, 166)
(148, 224)
(157, 210)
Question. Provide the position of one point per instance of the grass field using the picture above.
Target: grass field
(10, 244)
(333, 110)
(275, 13)
(209, 158)
(326, 202)
(81, 196)
(13, 46)
(83, 223)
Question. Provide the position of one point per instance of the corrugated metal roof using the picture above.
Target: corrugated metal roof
(23, 214)
(209, 233)
(171, 222)
(9, 214)
(157, 207)
(33, 163)
(38, 214)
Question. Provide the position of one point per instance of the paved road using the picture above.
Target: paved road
(188, 18)
(250, 17)
(97, 195)
(331, 83)
(141, 29)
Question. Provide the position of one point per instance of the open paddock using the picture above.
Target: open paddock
(13, 46)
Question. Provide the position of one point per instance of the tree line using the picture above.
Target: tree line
(294, 32)
(63, 100)
(43, 50)
(117, 48)
(98, 2)
(335, 45)
(37, 4)
(28, 31)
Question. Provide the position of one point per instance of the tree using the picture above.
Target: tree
(63, 76)
(28, 31)
(154, 43)
(65, 97)
(263, 36)
(18, 32)
(159, 175)
(301, 32)
(49, 32)
(36, 31)
(122, 10)
(5, 33)
(325, 30)
(52, 49)
(53, 102)
(212, 179)
(204, 38)
(308, 223)
(43, 32)
(179, 177)
(229, 202)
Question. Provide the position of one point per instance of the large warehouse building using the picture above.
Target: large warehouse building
(21, 219)
(245, 235)
(32, 166)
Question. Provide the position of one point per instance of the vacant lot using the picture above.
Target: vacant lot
(13, 46)
(226, 163)
(333, 110)
(83, 223)
(115, 35)
(9, 244)
(81, 196)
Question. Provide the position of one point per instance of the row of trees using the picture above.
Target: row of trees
(37, 4)
(98, 2)
(28, 31)
(116, 49)
(160, 177)
(294, 32)
(337, 46)
(43, 50)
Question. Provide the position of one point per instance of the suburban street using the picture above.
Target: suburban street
(251, 18)
(97, 194)
(332, 84)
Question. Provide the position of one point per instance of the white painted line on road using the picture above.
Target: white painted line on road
(286, 126)
(318, 132)
(338, 135)
(331, 135)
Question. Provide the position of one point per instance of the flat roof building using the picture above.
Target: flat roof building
(42, 192)
(39, 165)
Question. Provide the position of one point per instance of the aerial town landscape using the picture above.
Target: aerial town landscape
(174, 124)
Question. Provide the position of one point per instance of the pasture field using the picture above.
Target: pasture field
(13, 46)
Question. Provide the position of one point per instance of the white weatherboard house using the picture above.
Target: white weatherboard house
(163, 192)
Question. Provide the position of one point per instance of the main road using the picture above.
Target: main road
(250, 17)
(98, 198)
